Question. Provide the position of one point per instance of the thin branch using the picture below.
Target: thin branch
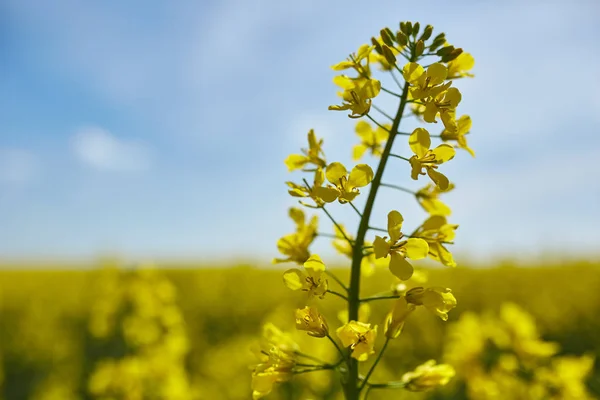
(400, 157)
(373, 228)
(390, 92)
(395, 79)
(335, 278)
(355, 209)
(387, 340)
(373, 298)
(337, 347)
(382, 112)
(398, 188)
(377, 123)
(338, 294)
(330, 235)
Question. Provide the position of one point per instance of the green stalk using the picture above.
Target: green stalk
(351, 386)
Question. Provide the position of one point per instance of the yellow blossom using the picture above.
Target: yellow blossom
(428, 198)
(458, 67)
(420, 143)
(463, 126)
(312, 281)
(318, 193)
(357, 95)
(348, 184)
(428, 376)
(355, 61)
(444, 104)
(278, 368)
(295, 245)
(428, 83)
(360, 337)
(399, 249)
(313, 155)
(309, 319)
(394, 321)
(436, 299)
(370, 139)
(437, 232)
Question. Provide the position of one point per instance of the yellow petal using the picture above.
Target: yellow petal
(361, 175)
(295, 161)
(363, 51)
(381, 247)
(419, 141)
(294, 279)
(314, 263)
(344, 82)
(319, 177)
(342, 65)
(363, 128)
(437, 73)
(297, 215)
(453, 96)
(438, 178)
(430, 112)
(327, 194)
(412, 71)
(444, 152)
(358, 151)
(464, 124)
(400, 267)
(394, 225)
(416, 248)
(335, 171)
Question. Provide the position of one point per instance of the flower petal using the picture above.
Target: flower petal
(419, 141)
(335, 171)
(361, 175)
(400, 267)
(294, 278)
(440, 179)
(315, 263)
(444, 152)
(394, 225)
(412, 71)
(381, 247)
(416, 248)
(437, 73)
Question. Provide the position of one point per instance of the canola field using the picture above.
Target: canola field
(172, 333)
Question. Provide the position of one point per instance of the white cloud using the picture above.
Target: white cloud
(17, 166)
(99, 149)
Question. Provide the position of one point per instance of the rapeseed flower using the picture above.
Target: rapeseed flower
(312, 281)
(360, 337)
(436, 299)
(425, 158)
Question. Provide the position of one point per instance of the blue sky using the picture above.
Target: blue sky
(159, 129)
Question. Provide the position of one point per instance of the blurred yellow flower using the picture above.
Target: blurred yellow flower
(295, 245)
(437, 232)
(445, 105)
(318, 193)
(428, 198)
(360, 337)
(424, 158)
(436, 299)
(399, 249)
(347, 185)
(309, 319)
(370, 139)
(458, 67)
(463, 126)
(428, 376)
(313, 281)
(428, 83)
(357, 94)
(313, 155)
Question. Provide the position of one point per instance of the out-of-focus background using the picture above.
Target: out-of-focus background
(142, 194)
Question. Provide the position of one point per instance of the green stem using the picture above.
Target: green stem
(351, 384)
(335, 278)
(373, 298)
(403, 189)
(337, 346)
(337, 294)
(387, 340)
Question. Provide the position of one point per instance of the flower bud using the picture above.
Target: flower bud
(428, 376)
(415, 29)
(389, 56)
(376, 45)
(419, 48)
(309, 319)
(386, 37)
(401, 38)
(427, 32)
(452, 55)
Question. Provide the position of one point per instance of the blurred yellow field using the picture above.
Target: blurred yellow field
(188, 333)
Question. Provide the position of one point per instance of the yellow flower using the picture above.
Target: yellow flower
(368, 262)
(295, 245)
(370, 139)
(399, 249)
(355, 61)
(458, 67)
(428, 376)
(357, 94)
(309, 319)
(313, 155)
(436, 231)
(428, 83)
(420, 143)
(463, 126)
(347, 185)
(312, 281)
(360, 337)
(436, 299)
(275, 337)
(278, 368)
(445, 104)
(318, 193)
(394, 321)
(428, 198)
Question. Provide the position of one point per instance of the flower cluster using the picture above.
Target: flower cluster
(430, 92)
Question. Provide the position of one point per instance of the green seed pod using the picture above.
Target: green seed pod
(419, 48)
(409, 28)
(415, 29)
(438, 41)
(377, 46)
(401, 38)
(427, 32)
(389, 56)
(403, 27)
(452, 55)
(386, 38)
